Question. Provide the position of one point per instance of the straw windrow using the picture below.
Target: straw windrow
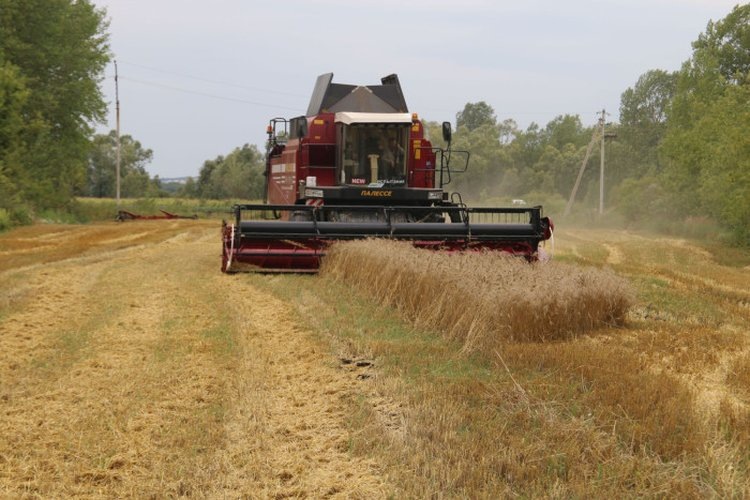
(482, 299)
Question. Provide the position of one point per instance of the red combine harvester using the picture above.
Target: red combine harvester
(358, 165)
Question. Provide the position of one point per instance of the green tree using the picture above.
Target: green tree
(506, 161)
(205, 187)
(134, 179)
(705, 147)
(487, 162)
(239, 175)
(724, 46)
(723, 185)
(563, 144)
(643, 119)
(640, 199)
(566, 168)
(475, 115)
(13, 96)
(547, 159)
(541, 177)
(565, 129)
(527, 148)
(507, 130)
(59, 50)
(189, 189)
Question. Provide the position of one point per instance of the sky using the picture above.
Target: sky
(198, 79)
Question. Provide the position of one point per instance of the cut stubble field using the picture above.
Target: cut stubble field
(130, 366)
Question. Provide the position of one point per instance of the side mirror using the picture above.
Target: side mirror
(447, 132)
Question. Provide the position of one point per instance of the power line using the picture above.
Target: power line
(204, 94)
(207, 80)
(289, 94)
(299, 110)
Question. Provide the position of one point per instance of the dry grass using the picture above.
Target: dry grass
(35, 245)
(485, 299)
(130, 367)
(489, 302)
(739, 375)
(656, 406)
(539, 420)
(650, 412)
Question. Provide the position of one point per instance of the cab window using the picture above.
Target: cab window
(373, 153)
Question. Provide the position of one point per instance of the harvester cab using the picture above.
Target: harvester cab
(360, 165)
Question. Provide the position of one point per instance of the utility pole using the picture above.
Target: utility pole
(594, 137)
(583, 167)
(117, 161)
(601, 165)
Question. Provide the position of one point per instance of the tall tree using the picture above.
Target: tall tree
(706, 146)
(508, 130)
(488, 160)
(238, 175)
(13, 96)
(474, 115)
(135, 181)
(565, 129)
(725, 45)
(643, 118)
(59, 50)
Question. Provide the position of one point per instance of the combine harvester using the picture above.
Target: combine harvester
(358, 165)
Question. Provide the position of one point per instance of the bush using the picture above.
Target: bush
(641, 199)
(21, 216)
(5, 222)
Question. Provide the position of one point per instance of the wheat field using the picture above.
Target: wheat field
(130, 367)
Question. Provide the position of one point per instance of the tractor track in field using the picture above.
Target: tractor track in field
(130, 366)
(684, 268)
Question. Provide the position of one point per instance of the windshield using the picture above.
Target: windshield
(374, 153)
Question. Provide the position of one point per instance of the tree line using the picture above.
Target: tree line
(681, 146)
(52, 58)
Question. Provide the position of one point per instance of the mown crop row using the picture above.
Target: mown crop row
(572, 400)
(482, 299)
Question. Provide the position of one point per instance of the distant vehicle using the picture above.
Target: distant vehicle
(519, 202)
